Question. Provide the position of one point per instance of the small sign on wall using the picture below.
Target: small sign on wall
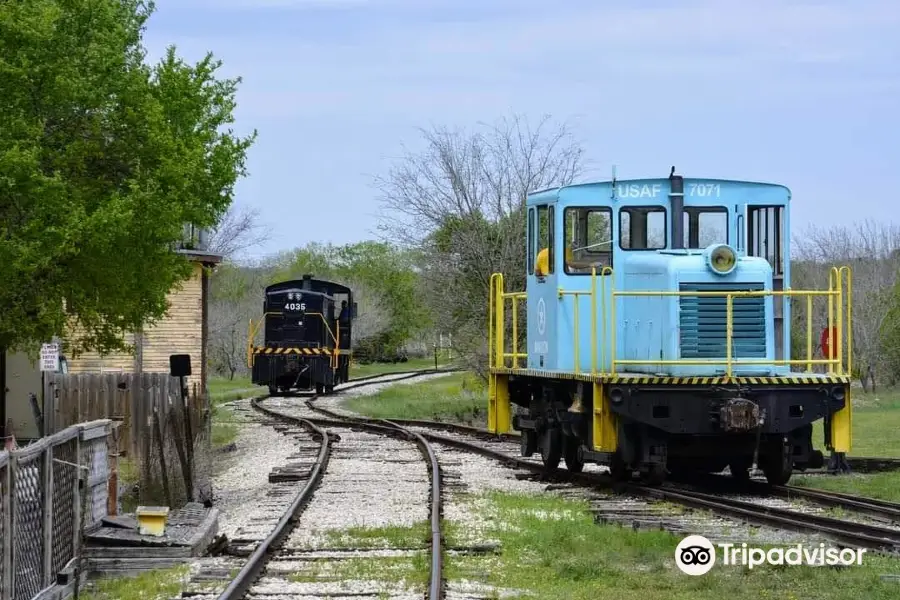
(50, 357)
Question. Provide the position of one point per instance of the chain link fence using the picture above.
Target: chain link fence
(40, 505)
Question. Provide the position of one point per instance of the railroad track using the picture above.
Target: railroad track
(274, 556)
(849, 533)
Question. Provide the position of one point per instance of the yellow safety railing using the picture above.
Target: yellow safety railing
(497, 324)
(592, 294)
(838, 295)
(251, 334)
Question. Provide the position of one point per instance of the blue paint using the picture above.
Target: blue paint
(659, 327)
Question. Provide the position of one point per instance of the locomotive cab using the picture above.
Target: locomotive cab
(307, 327)
(657, 333)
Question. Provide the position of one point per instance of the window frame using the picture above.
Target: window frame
(551, 238)
(656, 208)
(699, 210)
(531, 238)
(589, 209)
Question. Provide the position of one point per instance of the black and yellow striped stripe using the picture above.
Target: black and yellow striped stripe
(302, 351)
(637, 379)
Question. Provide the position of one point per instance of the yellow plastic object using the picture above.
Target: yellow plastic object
(152, 520)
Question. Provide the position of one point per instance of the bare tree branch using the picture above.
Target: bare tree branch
(238, 231)
(461, 202)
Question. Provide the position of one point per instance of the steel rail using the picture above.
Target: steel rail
(846, 532)
(436, 585)
(862, 464)
(253, 568)
(387, 427)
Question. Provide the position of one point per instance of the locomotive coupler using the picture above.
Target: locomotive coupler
(739, 415)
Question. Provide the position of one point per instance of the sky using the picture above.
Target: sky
(805, 94)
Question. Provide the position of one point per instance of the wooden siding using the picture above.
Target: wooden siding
(179, 332)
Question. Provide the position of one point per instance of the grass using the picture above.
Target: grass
(222, 389)
(414, 536)
(413, 364)
(460, 397)
(408, 570)
(551, 548)
(876, 420)
(161, 584)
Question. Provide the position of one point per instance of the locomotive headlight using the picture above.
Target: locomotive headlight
(721, 259)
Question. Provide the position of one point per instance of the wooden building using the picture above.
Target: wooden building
(184, 329)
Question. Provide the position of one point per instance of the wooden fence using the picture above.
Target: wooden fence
(164, 431)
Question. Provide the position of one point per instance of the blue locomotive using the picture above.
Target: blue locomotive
(657, 333)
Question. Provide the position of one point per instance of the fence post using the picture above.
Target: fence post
(13, 527)
(5, 525)
(48, 515)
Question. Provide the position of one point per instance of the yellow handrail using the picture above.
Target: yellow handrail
(836, 302)
(252, 334)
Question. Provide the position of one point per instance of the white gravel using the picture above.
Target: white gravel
(242, 487)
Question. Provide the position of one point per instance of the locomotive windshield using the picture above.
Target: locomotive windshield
(642, 228)
(588, 238)
(705, 225)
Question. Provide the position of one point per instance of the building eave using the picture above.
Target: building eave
(203, 256)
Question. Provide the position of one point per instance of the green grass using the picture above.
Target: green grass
(222, 389)
(152, 585)
(551, 548)
(414, 536)
(876, 421)
(884, 486)
(459, 397)
(411, 571)
(413, 364)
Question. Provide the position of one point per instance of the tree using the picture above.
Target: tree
(103, 161)
(236, 296)
(238, 231)
(872, 251)
(378, 270)
(460, 205)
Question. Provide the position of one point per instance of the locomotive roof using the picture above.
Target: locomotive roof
(318, 286)
(551, 194)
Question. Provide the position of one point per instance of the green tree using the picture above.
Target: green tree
(103, 159)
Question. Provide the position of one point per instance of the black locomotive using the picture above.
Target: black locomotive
(307, 327)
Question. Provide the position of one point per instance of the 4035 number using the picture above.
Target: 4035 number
(301, 306)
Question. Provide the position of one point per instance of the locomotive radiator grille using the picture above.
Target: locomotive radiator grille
(703, 322)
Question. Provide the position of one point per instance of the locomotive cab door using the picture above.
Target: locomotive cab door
(541, 283)
(765, 239)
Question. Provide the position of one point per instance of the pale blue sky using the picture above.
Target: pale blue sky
(800, 93)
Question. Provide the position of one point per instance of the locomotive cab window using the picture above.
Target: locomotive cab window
(642, 228)
(544, 260)
(705, 225)
(588, 239)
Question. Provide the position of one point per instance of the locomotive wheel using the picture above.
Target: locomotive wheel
(574, 462)
(617, 469)
(740, 468)
(551, 448)
(273, 390)
(528, 443)
(778, 469)
(654, 474)
(329, 389)
(319, 389)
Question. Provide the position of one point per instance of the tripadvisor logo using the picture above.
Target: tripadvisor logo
(696, 555)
